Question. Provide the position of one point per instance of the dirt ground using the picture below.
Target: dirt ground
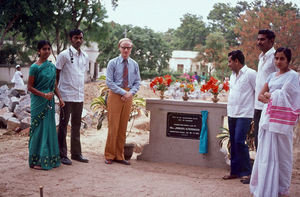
(98, 179)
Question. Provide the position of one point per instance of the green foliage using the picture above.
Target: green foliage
(225, 135)
(22, 16)
(15, 54)
(149, 49)
(215, 52)
(223, 18)
(191, 32)
(152, 74)
(279, 5)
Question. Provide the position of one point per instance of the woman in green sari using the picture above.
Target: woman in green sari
(43, 144)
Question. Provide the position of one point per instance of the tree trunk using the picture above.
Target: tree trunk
(7, 29)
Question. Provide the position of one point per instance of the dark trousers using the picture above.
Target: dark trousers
(73, 109)
(256, 118)
(240, 159)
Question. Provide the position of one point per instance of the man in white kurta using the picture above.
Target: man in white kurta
(18, 79)
(266, 66)
(240, 109)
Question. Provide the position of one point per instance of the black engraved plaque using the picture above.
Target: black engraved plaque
(182, 125)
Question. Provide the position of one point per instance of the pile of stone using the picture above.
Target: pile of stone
(15, 110)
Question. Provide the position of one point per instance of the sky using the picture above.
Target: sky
(160, 15)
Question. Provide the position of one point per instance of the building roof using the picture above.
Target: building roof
(184, 54)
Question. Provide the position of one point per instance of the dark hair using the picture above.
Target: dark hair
(42, 43)
(237, 55)
(287, 52)
(270, 34)
(75, 32)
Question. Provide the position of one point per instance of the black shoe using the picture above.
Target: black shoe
(125, 162)
(245, 181)
(66, 161)
(79, 158)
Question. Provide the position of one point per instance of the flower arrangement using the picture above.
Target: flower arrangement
(161, 83)
(214, 86)
(187, 87)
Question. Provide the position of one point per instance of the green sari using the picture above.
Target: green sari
(43, 143)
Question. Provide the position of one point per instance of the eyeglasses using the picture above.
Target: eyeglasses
(128, 48)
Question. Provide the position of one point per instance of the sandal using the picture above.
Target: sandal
(108, 161)
(36, 167)
(231, 176)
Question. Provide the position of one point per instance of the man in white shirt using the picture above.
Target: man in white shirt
(240, 109)
(266, 66)
(18, 78)
(71, 66)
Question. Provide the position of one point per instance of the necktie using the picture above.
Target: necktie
(125, 74)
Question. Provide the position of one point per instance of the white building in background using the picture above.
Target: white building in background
(7, 71)
(182, 61)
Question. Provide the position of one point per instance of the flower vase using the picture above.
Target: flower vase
(215, 99)
(185, 97)
(162, 94)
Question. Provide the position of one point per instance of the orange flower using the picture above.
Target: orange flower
(160, 80)
(215, 89)
(213, 85)
(226, 86)
(161, 83)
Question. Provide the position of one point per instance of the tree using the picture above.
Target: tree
(223, 19)
(21, 16)
(71, 14)
(191, 32)
(149, 49)
(286, 27)
(214, 52)
(48, 19)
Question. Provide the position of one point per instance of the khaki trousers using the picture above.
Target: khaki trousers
(118, 116)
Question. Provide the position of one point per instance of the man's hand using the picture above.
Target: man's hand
(126, 96)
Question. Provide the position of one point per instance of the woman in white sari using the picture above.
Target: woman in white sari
(272, 170)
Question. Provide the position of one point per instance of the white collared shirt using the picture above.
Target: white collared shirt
(266, 66)
(71, 80)
(241, 93)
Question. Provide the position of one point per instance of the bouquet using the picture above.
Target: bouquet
(214, 86)
(187, 87)
(161, 83)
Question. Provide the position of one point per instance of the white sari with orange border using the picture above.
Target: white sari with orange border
(272, 170)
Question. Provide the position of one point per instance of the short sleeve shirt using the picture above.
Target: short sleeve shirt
(72, 66)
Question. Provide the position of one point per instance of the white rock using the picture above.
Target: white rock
(4, 117)
(13, 123)
(25, 123)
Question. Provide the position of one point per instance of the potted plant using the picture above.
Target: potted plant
(224, 142)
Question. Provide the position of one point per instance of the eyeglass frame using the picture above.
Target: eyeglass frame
(128, 48)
